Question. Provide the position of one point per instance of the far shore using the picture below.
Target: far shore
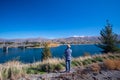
(49, 46)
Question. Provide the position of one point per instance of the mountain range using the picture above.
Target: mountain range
(68, 39)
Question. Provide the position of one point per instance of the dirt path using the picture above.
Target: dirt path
(77, 74)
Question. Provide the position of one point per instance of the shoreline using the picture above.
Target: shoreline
(53, 46)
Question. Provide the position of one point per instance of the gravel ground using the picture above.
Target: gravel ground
(77, 74)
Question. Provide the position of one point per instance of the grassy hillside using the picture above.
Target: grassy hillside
(15, 69)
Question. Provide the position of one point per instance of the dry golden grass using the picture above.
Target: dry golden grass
(50, 61)
(58, 60)
(53, 61)
(112, 64)
(11, 70)
(117, 64)
(95, 67)
(109, 64)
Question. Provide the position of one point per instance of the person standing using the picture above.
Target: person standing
(68, 53)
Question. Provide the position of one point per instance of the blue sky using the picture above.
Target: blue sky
(57, 18)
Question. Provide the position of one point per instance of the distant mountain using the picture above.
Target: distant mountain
(2, 40)
(84, 39)
(23, 40)
(81, 39)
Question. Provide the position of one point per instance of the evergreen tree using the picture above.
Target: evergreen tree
(46, 52)
(108, 39)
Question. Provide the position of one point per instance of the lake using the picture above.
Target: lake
(30, 55)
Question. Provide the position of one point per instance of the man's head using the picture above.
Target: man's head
(68, 45)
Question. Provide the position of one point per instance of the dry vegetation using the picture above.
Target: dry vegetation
(14, 69)
(112, 64)
(95, 67)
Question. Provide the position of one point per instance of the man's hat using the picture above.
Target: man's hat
(68, 45)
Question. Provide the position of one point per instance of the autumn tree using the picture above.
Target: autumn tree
(46, 53)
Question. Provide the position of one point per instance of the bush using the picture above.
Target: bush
(31, 71)
(111, 57)
(63, 64)
(117, 56)
(109, 64)
(117, 63)
(58, 67)
(79, 63)
(4, 74)
(51, 67)
(93, 60)
(34, 71)
(86, 62)
(100, 59)
(75, 63)
(95, 67)
(10, 73)
(47, 67)
(46, 53)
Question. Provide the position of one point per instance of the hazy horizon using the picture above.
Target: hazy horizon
(47, 37)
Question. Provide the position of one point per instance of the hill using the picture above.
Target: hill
(72, 40)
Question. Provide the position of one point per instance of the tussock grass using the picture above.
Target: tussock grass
(112, 64)
(12, 70)
(95, 67)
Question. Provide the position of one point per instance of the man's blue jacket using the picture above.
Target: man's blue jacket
(68, 53)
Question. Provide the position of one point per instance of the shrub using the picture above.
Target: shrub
(79, 63)
(110, 64)
(100, 59)
(46, 53)
(117, 56)
(93, 60)
(30, 71)
(58, 67)
(63, 64)
(117, 63)
(47, 67)
(4, 74)
(11, 70)
(10, 73)
(51, 67)
(95, 67)
(111, 57)
(86, 62)
(75, 63)
(104, 57)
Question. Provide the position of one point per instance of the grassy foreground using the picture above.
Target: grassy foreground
(14, 70)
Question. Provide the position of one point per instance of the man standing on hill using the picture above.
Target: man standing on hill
(68, 53)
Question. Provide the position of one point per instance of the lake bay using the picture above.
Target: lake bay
(30, 55)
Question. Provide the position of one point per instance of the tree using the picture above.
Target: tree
(46, 52)
(108, 39)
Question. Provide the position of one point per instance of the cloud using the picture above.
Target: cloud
(78, 36)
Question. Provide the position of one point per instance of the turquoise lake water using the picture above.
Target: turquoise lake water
(31, 55)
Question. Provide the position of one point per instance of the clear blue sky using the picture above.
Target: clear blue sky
(57, 18)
